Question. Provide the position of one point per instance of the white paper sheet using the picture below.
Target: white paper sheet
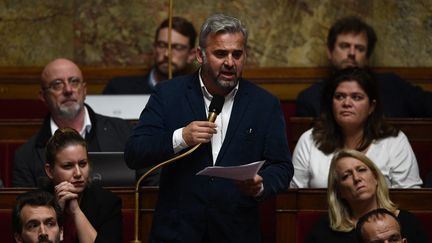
(241, 172)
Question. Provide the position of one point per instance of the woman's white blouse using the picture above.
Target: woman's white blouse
(392, 155)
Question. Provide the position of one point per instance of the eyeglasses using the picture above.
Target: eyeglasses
(59, 84)
(161, 45)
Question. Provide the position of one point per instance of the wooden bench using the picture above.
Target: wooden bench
(294, 211)
(7, 152)
(298, 209)
(285, 83)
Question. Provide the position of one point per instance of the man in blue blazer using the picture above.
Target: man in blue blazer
(250, 127)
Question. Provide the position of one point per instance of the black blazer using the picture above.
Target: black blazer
(190, 207)
(103, 209)
(107, 134)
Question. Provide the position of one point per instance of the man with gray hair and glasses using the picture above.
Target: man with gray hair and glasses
(63, 90)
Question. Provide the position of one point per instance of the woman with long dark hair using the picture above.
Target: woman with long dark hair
(351, 118)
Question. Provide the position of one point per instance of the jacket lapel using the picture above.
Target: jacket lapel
(241, 102)
(195, 99)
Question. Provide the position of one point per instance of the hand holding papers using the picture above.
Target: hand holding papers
(240, 173)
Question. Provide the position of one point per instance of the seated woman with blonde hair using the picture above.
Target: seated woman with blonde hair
(351, 118)
(355, 187)
(91, 213)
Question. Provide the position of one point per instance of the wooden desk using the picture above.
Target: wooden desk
(287, 208)
(296, 201)
(285, 83)
(19, 129)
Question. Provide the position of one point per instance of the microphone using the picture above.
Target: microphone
(215, 108)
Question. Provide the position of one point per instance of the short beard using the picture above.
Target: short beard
(69, 112)
(218, 82)
(175, 69)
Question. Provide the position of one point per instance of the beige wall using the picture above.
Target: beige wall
(283, 33)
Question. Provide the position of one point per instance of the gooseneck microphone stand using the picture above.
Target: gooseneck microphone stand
(214, 110)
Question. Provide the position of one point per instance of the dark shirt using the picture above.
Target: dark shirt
(428, 181)
(399, 98)
(129, 85)
(134, 85)
(411, 229)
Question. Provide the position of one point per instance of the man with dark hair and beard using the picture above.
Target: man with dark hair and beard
(350, 43)
(63, 90)
(37, 217)
(183, 37)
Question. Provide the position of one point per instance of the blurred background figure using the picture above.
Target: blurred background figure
(350, 43)
(183, 36)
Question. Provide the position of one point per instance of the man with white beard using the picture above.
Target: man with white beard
(63, 90)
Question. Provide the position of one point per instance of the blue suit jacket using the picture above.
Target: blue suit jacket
(190, 207)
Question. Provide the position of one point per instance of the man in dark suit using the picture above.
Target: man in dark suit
(183, 37)
(63, 89)
(250, 127)
(350, 43)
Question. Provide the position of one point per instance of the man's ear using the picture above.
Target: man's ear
(41, 96)
(61, 234)
(18, 238)
(199, 55)
(329, 54)
(48, 171)
(192, 55)
(84, 87)
(372, 107)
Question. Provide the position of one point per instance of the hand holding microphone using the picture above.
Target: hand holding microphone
(202, 131)
(193, 134)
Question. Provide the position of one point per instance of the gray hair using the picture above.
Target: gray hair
(220, 23)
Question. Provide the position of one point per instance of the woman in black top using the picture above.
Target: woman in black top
(91, 213)
(356, 186)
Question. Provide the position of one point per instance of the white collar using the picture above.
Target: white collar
(86, 128)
